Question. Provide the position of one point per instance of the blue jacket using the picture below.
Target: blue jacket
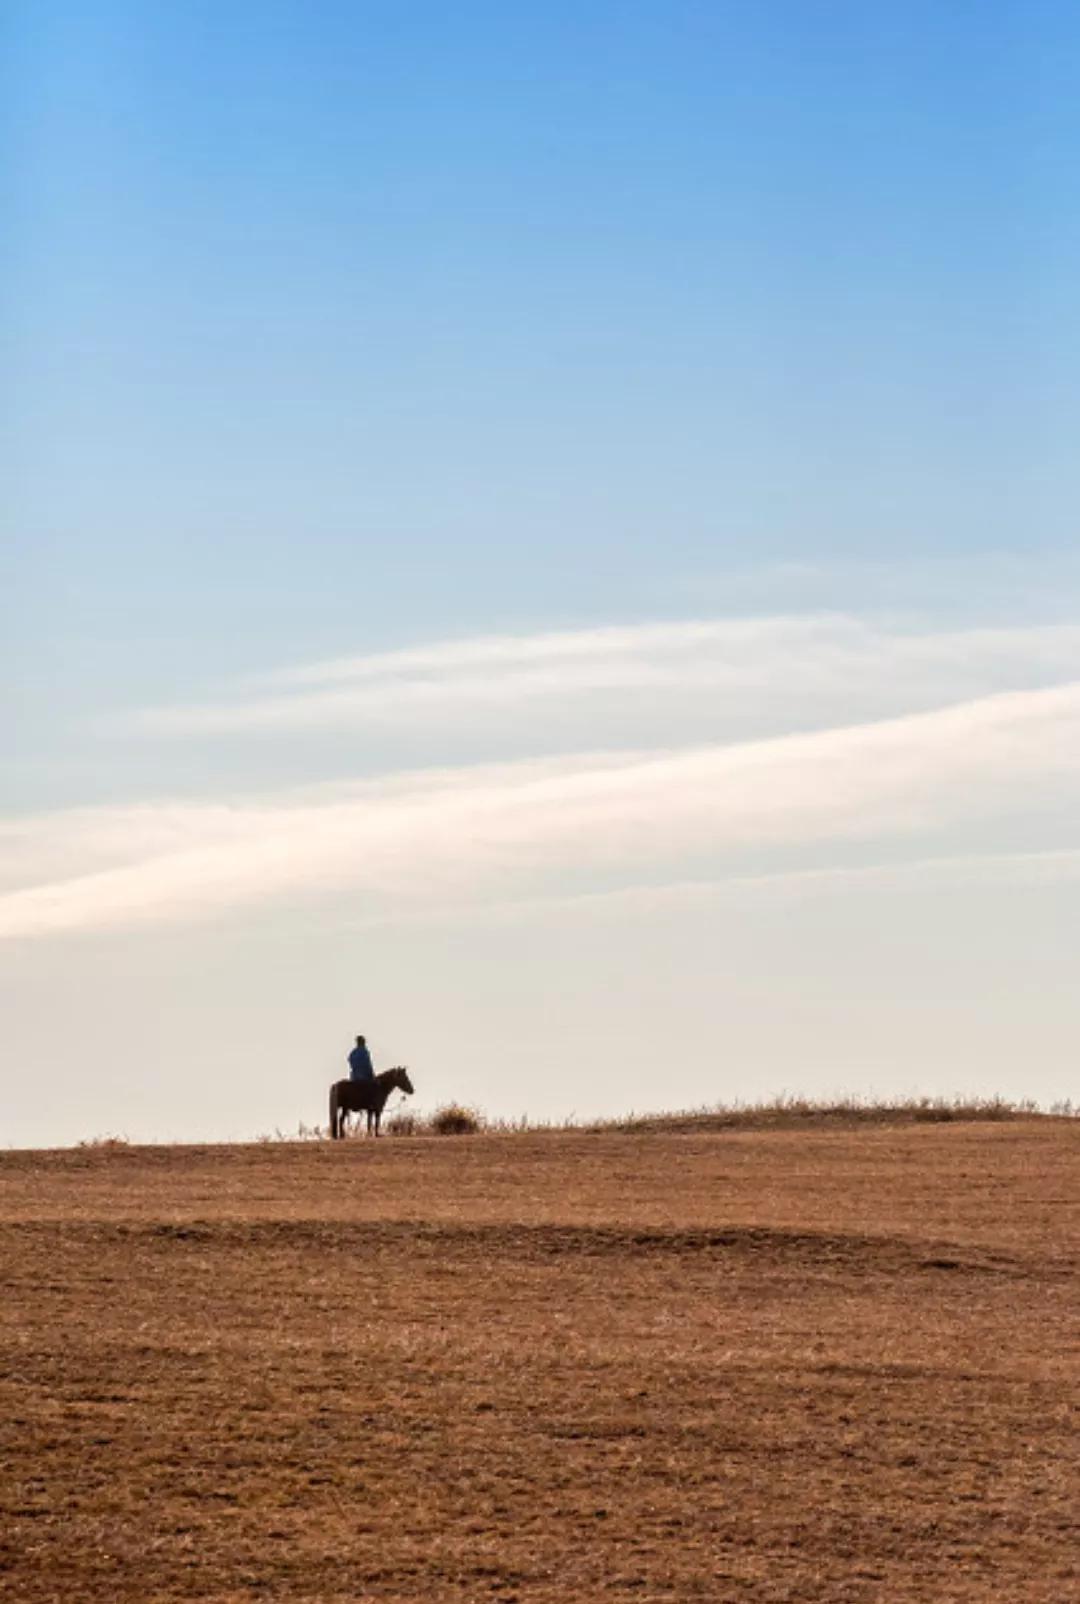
(360, 1066)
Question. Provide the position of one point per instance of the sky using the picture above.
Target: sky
(544, 535)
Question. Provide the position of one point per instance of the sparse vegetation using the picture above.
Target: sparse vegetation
(779, 1113)
(787, 1111)
(303, 1133)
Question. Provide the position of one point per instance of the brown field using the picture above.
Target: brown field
(832, 1364)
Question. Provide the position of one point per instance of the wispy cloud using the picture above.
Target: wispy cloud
(827, 666)
(503, 830)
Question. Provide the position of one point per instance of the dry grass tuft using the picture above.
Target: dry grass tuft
(454, 1119)
(402, 1124)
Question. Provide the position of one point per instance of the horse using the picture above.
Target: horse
(365, 1097)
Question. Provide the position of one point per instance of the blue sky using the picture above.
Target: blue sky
(339, 330)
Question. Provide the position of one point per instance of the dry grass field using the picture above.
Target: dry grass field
(832, 1364)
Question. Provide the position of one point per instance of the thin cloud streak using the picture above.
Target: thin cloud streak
(496, 831)
(707, 665)
(551, 646)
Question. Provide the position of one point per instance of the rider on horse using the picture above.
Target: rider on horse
(360, 1065)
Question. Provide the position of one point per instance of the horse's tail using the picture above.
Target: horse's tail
(335, 1112)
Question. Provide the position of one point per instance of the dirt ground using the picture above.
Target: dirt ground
(832, 1365)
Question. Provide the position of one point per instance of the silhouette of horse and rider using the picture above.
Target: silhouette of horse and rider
(364, 1092)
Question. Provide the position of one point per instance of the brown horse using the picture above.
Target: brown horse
(365, 1097)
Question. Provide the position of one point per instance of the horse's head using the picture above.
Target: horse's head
(400, 1079)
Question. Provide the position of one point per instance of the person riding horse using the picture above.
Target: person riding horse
(366, 1097)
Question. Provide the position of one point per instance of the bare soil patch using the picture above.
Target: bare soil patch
(765, 1365)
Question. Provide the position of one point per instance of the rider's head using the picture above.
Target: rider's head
(360, 1042)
